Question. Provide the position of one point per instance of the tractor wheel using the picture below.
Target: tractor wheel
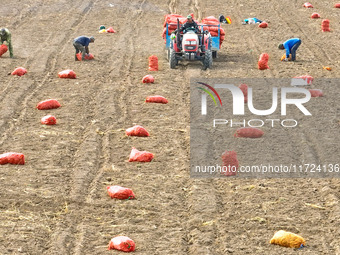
(172, 59)
(207, 62)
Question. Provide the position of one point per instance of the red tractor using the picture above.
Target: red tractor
(191, 45)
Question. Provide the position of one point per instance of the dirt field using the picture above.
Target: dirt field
(57, 202)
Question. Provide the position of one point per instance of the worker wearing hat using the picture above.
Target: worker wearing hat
(189, 24)
(81, 44)
(291, 47)
(5, 36)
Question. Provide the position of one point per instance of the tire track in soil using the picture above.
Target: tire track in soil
(35, 86)
(202, 197)
(102, 148)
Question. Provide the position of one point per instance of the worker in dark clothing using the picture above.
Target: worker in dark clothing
(81, 44)
(291, 47)
(5, 36)
(189, 24)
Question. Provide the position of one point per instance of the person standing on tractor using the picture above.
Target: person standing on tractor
(291, 47)
(81, 44)
(189, 24)
(5, 36)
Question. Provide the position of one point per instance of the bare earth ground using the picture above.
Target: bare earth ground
(57, 203)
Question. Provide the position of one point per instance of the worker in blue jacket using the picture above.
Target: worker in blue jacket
(291, 47)
(81, 44)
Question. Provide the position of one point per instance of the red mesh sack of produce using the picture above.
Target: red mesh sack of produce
(307, 78)
(263, 25)
(315, 15)
(67, 74)
(137, 131)
(122, 243)
(140, 156)
(87, 56)
(263, 61)
(337, 5)
(110, 30)
(249, 132)
(288, 239)
(230, 163)
(171, 18)
(153, 63)
(119, 192)
(308, 5)
(49, 120)
(20, 71)
(148, 79)
(12, 158)
(211, 20)
(156, 99)
(48, 104)
(325, 26)
(3, 49)
(244, 89)
(316, 93)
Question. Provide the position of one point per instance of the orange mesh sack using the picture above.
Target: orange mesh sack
(249, 132)
(12, 158)
(316, 93)
(140, 156)
(122, 243)
(288, 239)
(230, 163)
(49, 120)
(263, 61)
(3, 49)
(20, 71)
(156, 99)
(153, 63)
(137, 131)
(244, 89)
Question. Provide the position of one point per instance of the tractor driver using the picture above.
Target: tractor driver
(189, 24)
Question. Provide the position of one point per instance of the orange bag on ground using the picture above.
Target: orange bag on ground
(12, 158)
(156, 99)
(87, 56)
(122, 243)
(325, 26)
(307, 78)
(316, 93)
(315, 15)
(67, 74)
(137, 131)
(140, 156)
(48, 104)
(49, 120)
(20, 71)
(244, 89)
(263, 25)
(153, 63)
(263, 61)
(288, 239)
(3, 49)
(249, 132)
(119, 192)
(110, 30)
(230, 163)
(337, 5)
(148, 79)
(308, 5)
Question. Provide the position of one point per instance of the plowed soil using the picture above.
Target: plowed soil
(57, 202)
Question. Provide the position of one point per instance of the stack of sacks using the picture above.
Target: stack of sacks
(211, 20)
(172, 19)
